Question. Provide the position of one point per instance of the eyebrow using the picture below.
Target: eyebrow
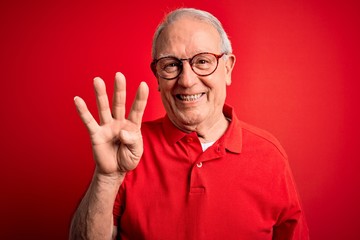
(165, 55)
(197, 51)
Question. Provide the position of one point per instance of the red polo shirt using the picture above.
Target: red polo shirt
(239, 188)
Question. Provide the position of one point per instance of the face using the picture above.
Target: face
(192, 101)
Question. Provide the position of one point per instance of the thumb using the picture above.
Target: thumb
(131, 149)
(132, 140)
(130, 137)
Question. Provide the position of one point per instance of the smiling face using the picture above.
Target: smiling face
(192, 101)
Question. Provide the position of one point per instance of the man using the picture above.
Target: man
(197, 173)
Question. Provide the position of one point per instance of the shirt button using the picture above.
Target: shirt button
(199, 165)
(189, 139)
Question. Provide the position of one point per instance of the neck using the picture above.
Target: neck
(214, 132)
(209, 131)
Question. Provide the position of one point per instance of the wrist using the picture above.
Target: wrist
(109, 180)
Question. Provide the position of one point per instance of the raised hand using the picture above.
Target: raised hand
(116, 141)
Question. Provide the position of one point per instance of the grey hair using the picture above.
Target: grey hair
(196, 14)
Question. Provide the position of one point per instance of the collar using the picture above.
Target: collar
(232, 138)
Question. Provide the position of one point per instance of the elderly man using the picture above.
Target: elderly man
(198, 172)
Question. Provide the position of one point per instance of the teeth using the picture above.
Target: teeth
(190, 97)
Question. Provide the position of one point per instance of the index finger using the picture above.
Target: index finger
(139, 104)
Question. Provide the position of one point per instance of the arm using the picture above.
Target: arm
(292, 229)
(292, 224)
(117, 148)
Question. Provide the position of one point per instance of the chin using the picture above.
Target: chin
(190, 120)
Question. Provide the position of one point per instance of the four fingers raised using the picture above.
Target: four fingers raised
(118, 108)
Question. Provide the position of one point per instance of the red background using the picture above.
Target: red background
(297, 76)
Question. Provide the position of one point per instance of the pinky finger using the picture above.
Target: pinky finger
(85, 115)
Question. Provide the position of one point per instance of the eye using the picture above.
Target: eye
(203, 61)
(169, 64)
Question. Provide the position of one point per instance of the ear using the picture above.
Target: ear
(229, 65)
(153, 69)
(158, 84)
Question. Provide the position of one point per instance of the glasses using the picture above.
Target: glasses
(203, 64)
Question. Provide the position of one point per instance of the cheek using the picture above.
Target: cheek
(218, 82)
(164, 85)
(165, 91)
(218, 91)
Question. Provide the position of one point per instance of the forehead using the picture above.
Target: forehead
(188, 36)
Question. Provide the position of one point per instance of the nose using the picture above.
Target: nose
(187, 78)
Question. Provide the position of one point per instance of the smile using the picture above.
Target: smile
(189, 98)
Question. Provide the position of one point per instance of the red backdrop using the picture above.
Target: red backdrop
(297, 76)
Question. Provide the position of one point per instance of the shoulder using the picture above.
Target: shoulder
(152, 123)
(151, 128)
(255, 137)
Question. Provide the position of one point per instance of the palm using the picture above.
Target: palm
(117, 142)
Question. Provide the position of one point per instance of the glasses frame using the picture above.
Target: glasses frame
(181, 60)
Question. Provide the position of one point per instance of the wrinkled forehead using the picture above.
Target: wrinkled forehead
(187, 36)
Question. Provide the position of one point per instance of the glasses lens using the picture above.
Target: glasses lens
(204, 63)
(168, 67)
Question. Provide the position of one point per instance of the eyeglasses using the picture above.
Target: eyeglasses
(203, 64)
